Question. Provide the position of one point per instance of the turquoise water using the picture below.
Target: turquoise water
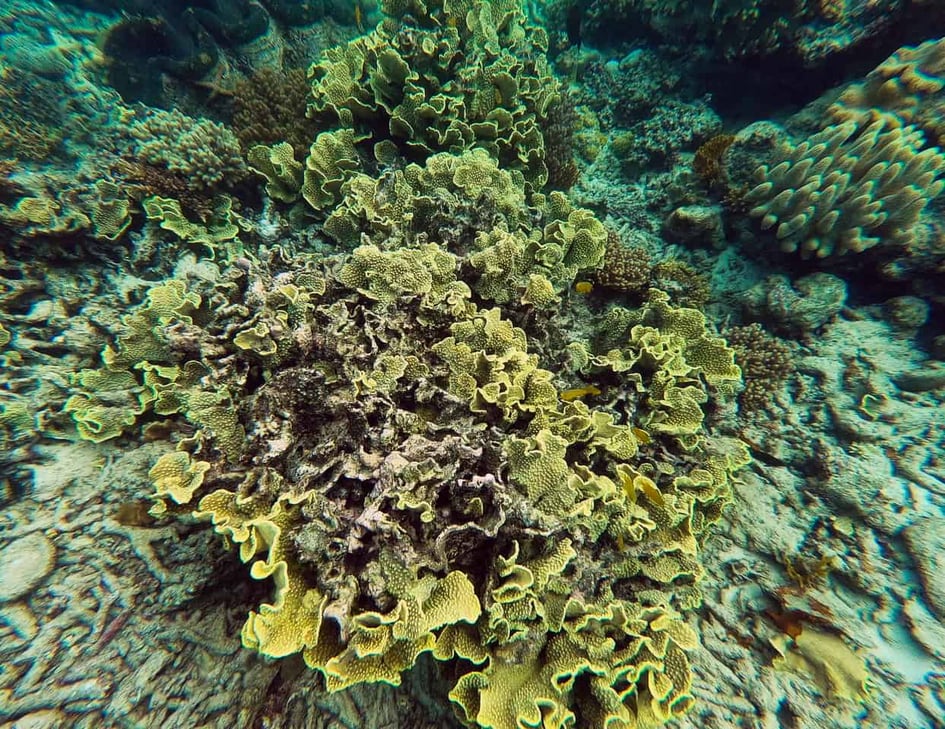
(455, 363)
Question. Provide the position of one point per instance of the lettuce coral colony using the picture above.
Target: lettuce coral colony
(401, 466)
(426, 353)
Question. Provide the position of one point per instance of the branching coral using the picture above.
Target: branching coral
(206, 152)
(909, 85)
(765, 361)
(848, 188)
(269, 107)
(624, 268)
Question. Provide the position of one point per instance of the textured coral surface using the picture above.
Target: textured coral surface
(470, 377)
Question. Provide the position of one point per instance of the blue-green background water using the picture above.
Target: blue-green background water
(440, 364)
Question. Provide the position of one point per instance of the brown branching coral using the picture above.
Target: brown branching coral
(707, 162)
(766, 364)
(558, 127)
(685, 285)
(269, 107)
(146, 180)
(625, 269)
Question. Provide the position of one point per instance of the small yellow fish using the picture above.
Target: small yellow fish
(358, 17)
(576, 393)
(584, 287)
(649, 489)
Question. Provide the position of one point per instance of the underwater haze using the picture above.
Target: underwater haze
(430, 364)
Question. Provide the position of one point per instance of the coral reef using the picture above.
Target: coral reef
(453, 608)
(439, 551)
(435, 415)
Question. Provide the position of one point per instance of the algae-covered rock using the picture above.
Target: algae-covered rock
(803, 306)
(925, 541)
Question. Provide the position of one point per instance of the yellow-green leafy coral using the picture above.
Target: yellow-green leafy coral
(414, 476)
(445, 77)
(490, 369)
(282, 171)
(535, 620)
(402, 203)
(386, 276)
(140, 375)
(380, 646)
(176, 476)
(108, 400)
(669, 356)
(219, 232)
(102, 209)
(490, 224)
(292, 621)
(332, 160)
(537, 266)
(267, 331)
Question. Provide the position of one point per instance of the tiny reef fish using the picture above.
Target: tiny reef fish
(576, 393)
